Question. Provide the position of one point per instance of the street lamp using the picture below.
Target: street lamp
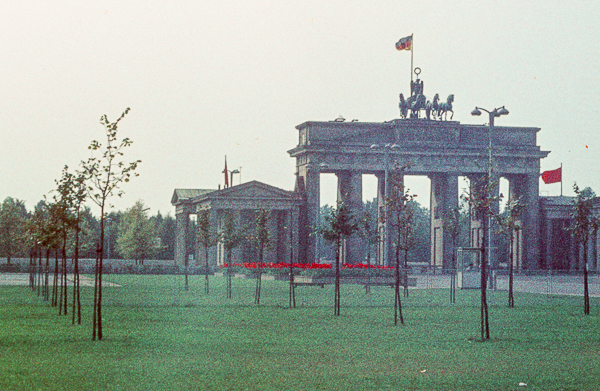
(386, 148)
(236, 171)
(497, 112)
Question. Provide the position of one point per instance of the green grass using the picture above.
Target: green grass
(159, 337)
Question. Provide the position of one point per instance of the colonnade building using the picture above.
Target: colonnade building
(441, 150)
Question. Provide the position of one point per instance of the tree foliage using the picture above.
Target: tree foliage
(13, 217)
(137, 237)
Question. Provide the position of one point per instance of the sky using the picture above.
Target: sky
(205, 79)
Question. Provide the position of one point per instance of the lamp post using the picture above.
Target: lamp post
(386, 148)
(497, 112)
(236, 171)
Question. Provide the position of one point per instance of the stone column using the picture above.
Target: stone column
(380, 258)
(350, 193)
(527, 187)
(182, 220)
(311, 177)
(295, 236)
(475, 227)
(444, 198)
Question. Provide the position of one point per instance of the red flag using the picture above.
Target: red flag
(552, 176)
(225, 172)
(405, 43)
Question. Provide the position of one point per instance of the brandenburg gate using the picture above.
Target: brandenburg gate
(440, 150)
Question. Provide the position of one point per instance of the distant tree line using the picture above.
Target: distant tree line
(129, 235)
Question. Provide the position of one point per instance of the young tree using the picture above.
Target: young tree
(79, 196)
(136, 234)
(583, 225)
(452, 223)
(339, 225)
(261, 240)
(509, 225)
(64, 201)
(13, 216)
(400, 217)
(207, 237)
(104, 174)
(230, 236)
(482, 201)
(368, 230)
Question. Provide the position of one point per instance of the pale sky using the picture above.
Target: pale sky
(205, 79)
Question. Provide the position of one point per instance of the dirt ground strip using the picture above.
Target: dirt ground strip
(23, 279)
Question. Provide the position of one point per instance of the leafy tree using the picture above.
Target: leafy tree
(583, 225)
(104, 175)
(230, 236)
(166, 232)
(13, 216)
(482, 201)
(136, 234)
(400, 217)
(207, 237)
(509, 224)
(339, 225)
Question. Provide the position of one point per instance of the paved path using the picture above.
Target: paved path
(544, 284)
(23, 279)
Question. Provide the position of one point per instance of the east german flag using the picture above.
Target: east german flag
(552, 176)
(405, 43)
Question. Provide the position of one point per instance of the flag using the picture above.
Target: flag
(225, 172)
(405, 43)
(552, 176)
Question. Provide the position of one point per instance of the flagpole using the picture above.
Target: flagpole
(561, 175)
(412, 44)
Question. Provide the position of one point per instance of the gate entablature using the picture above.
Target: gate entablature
(432, 146)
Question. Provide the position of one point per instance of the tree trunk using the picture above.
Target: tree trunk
(586, 292)
(76, 290)
(47, 277)
(336, 298)
(55, 282)
(397, 301)
(259, 276)
(511, 298)
(485, 326)
(405, 272)
(186, 263)
(229, 271)
(206, 290)
(368, 285)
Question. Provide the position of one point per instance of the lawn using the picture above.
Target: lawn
(160, 337)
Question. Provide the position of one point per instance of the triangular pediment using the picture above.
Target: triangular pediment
(252, 190)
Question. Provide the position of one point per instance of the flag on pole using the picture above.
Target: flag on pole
(552, 176)
(225, 172)
(404, 43)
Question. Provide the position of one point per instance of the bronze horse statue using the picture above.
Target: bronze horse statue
(445, 107)
(416, 103)
(431, 108)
